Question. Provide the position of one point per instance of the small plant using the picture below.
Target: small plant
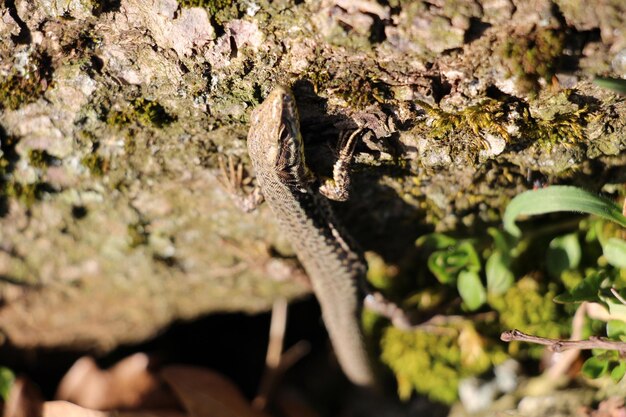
(615, 84)
(508, 280)
(7, 378)
(603, 283)
(558, 198)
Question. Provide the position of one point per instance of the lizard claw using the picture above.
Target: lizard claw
(234, 180)
(338, 187)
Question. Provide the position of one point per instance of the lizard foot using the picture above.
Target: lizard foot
(338, 187)
(234, 180)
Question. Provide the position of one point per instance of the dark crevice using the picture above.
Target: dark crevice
(79, 212)
(24, 37)
(440, 88)
(476, 30)
(377, 33)
(106, 6)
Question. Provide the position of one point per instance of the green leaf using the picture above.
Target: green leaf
(471, 289)
(616, 329)
(617, 310)
(438, 265)
(499, 275)
(587, 290)
(446, 264)
(615, 252)
(473, 261)
(435, 241)
(7, 377)
(616, 84)
(595, 367)
(503, 242)
(618, 372)
(563, 254)
(559, 198)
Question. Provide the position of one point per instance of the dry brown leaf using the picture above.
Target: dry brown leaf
(24, 400)
(206, 393)
(127, 385)
(611, 407)
(152, 413)
(65, 409)
(291, 405)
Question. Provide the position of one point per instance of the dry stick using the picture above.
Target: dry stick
(558, 345)
(376, 302)
(276, 361)
(617, 294)
(565, 360)
(274, 352)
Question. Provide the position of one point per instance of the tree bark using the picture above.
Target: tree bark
(113, 115)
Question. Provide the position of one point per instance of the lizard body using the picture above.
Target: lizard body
(276, 149)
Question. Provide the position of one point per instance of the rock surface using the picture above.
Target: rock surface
(113, 115)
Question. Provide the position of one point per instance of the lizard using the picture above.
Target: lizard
(299, 201)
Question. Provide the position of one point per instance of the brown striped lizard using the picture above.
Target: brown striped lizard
(299, 202)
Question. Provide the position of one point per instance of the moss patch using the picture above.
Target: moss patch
(529, 307)
(533, 57)
(487, 116)
(23, 87)
(433, 362)
(565, 125)
(220, 11)
(142, 111)
(94, 163)
(40, 158)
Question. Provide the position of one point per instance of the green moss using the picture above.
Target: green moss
(137, 234)
(17, 90)
(529, 307)
(142, 111)
(26, 86)
(8, 154)
(487, 116)
(433, 362)
(533, 57)
(130, 146)
(27, 194)
(566, 125)
(358, 89)
(10, 186)
(361, 92)
(562, 128)
(40, 158)
(563, 122)
(213, 6)
(221, 11)
(94, 163)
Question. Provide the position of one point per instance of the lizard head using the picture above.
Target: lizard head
(274, 140)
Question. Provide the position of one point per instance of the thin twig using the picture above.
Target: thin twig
(377, 303)
(564, 360)
(558, 345)
(277, 362)
(617, 295)
(274, 352)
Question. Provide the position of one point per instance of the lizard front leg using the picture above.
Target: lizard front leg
(233, 179)
(338, 187)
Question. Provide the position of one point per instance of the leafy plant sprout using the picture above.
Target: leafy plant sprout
(604, 288)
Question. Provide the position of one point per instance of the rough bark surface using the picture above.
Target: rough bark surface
(113, 115)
